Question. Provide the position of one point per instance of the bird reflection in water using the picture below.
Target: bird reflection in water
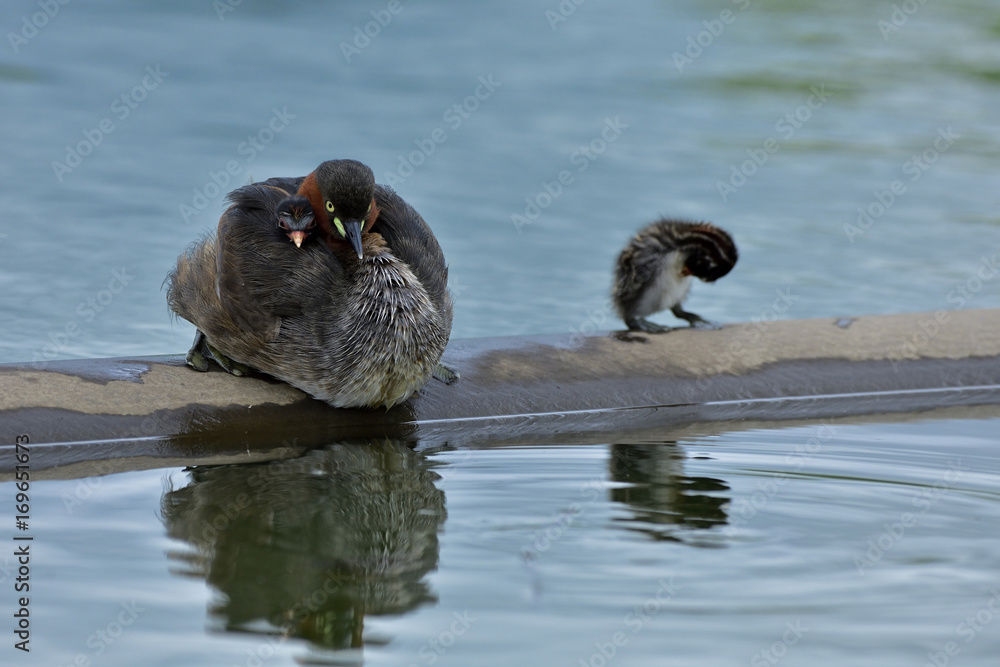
(664, 502)
(309, 547)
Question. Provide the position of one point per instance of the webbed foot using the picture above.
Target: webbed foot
(642, 324)
(694, 319)
(446, 374)
(196, 356)
(202, 353)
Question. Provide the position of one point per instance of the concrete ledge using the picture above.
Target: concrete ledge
(153, 411)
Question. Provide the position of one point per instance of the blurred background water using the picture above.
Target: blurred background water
(125, 124)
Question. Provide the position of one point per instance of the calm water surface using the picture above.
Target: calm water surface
(864, 543)
(828, 543)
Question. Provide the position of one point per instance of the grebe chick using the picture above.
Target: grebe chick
(654, 270)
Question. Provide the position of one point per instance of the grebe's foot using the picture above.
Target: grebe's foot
(705, 325)
(641, 324)
(196, 358)
(227, 364)
(628, 337)
(446, 374)
(694, 319)
(201, 353)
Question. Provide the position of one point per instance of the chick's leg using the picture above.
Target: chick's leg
(642, 324)
(696, 321)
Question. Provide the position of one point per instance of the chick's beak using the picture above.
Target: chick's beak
(352, 230)
(297, 238)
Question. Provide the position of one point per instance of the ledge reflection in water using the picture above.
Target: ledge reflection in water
(308, 547)
(664, 501)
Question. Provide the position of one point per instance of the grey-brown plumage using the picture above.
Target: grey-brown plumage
(654, 270)
(353, 331)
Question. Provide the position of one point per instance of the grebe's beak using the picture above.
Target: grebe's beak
(352, 230)
(297, 238)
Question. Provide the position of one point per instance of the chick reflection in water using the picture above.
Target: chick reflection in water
(663, 500)
(308, 547)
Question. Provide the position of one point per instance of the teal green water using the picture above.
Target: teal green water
(125, 123)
